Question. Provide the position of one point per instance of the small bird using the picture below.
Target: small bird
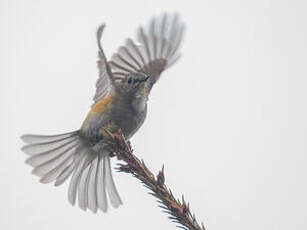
(121, 97)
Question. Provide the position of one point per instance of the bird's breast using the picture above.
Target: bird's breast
(112, 109)
(129, 119)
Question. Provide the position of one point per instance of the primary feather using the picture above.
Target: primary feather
(156, 49)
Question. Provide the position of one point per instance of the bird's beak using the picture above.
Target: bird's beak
(144, 79)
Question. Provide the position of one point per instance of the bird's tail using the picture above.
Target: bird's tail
(57, 157)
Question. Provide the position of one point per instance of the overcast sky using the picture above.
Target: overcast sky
(228, 121)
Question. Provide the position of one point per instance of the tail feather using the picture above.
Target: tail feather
(56, 158)
(102, 201)
(92, 187)
(47, 166)
(54, 173)
(35, 139)
(42, 158)
(72, 190)
(83, 187)
(63, 176)
(47, 147)
(111, 188)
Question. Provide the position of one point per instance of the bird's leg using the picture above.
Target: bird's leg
(109, 133)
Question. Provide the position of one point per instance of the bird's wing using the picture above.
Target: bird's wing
(156, 49)
(105, 81)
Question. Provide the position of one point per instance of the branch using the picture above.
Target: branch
(178, 210)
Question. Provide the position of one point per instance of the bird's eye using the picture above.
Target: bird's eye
(129, 80)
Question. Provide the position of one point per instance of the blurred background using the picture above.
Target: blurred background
(228, 121)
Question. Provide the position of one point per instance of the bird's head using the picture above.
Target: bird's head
(133, 84)
(135, 87)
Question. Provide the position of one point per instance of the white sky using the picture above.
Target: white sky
(228, 120)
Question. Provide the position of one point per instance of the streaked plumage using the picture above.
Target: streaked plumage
(121, 96)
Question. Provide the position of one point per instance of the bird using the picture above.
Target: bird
(122, 90)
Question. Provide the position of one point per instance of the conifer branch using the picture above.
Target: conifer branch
(177, 209)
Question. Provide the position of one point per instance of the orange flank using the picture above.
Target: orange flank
(101, 105)
(98, 108)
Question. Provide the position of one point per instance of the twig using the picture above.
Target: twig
(178, 210)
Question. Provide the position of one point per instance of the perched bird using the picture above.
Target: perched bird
(121, 97)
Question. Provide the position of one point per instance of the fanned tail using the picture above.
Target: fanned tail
(93, 182)
(51, 156)
(56, 158)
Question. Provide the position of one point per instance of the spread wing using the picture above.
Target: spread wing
(156, 49)
(104, 84)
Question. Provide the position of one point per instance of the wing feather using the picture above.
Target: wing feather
(157, 48)
(104, 84)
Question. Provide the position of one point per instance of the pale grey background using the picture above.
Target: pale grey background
(228, 120)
